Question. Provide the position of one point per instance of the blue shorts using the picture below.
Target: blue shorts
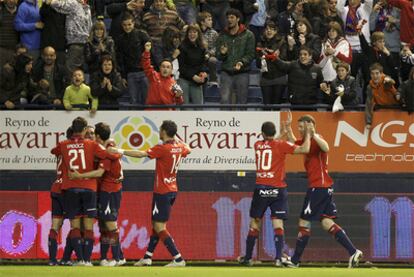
(161, 206)
(266, 196)
(108, 205)
(57, 204)
(318, 204)
(80, 202)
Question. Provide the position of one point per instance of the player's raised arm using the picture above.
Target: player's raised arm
(287, 126)
(183, 143)
(130, 153)
(305, 147)
(321, 142)
(97, 173)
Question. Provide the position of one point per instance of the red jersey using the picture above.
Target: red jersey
(160, 90)
(79, 154)
(113, 173)
(57, 184)
(168, 157)
(316, 165)
(270, 162)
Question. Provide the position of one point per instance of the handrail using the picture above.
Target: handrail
(285, 106)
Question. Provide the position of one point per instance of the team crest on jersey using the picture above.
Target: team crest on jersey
(137, 133)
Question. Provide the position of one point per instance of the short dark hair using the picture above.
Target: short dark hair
(20, 46)
(307, 49)
(169, 127)
(168, 61)
(268, 129)
(127, 16)
(376, 66)
(307, 118)
(103, 130)
(79, 124)
(234, 12)
(69, 132)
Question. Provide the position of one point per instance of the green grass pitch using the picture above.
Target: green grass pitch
(199, 271)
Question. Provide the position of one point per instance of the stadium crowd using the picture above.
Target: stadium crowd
(85, 55)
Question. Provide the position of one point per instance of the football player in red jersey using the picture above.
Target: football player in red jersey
(80, 195)
(57, 208)
(109, 196)
(168, 157)
(318, 204)
(271, 188)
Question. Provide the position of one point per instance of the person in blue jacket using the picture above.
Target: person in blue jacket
(29, 25)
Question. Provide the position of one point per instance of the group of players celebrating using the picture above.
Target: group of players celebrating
(89, 184)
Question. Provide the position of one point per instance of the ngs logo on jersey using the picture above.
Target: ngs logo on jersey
(387, 141)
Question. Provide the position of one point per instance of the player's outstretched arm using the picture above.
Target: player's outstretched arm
(97, 173)
(323, 145)
(130, 153)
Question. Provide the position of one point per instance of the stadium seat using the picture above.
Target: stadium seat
(254, 95)
(211, 94)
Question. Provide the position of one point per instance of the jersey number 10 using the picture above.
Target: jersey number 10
(263, 159)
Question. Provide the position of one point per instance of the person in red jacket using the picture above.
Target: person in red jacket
(407, 19)
(163, 89)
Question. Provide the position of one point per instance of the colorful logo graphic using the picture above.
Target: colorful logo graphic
(136, 133)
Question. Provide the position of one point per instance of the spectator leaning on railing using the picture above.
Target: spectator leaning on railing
(380, 91)
(78, 94)
(344, 85)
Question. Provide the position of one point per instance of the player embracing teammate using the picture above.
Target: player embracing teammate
(79, 196)
(318, 204)
(271, 188)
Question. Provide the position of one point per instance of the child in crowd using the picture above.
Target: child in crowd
(344, 85)
(205, 21)
(78, 94)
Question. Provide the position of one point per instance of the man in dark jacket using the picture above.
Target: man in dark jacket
(53, 33)
(236, 49)
(8, 35)
(129, 48)
(117, 10)
(304, 78)
(48, 69)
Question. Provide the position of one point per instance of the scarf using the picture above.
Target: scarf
(352, 19)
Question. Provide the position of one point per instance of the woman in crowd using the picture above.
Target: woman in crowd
(303, 37)
(335, 49)
(99, 44)
(106, 84)
(192, 60)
